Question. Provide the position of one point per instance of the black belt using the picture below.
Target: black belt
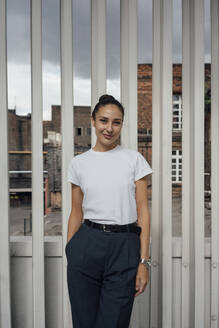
(131, 227)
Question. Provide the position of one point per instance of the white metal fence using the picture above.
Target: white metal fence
(184, 286)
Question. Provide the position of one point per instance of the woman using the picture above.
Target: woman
(108, 229)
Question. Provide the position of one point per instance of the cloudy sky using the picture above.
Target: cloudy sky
(18, 49)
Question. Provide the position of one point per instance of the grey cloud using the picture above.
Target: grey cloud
(81, 39)
(18, 31)
(19, 34)
(51, 31)
(144, 31)
(113, 39)
(177, 31)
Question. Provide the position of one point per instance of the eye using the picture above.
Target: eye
(102, 120)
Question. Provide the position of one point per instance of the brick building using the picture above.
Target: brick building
(20, 140)
(145, 122)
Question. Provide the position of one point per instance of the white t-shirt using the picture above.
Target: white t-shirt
(107, 180)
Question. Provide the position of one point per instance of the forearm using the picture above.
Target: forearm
(144, 223)
(74, 222)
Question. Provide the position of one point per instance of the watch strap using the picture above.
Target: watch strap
(146, 262)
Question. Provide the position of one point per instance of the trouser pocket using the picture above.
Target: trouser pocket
(76, 247)
(74, 235)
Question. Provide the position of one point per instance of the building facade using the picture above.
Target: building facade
(20, 141)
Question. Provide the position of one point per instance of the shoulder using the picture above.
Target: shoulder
(135, 154)
(141, 165)
(77, 159)
(131, 153)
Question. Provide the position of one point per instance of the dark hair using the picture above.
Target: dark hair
(105, 100)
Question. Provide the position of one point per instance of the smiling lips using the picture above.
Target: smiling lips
(107, 136)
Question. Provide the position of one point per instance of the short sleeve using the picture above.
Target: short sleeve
(142, 167)
(73, 175)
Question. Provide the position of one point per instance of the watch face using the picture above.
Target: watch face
(145, 262)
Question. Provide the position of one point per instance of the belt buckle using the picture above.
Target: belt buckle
(104, 228)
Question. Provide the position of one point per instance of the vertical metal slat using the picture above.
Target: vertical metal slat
(162, 161)
(128, 53)
(166, 159)
(5, 302)
(187, 176)
(98, 54)
(156, 233)
(214, 162)
(37, 167)
(67, 128)
(197, 299)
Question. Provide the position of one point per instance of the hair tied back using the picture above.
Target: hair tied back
(105, 100)
(106, 97)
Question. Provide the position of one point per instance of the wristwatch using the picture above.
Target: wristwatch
(146, 262)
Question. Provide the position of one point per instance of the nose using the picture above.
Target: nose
(109, 127)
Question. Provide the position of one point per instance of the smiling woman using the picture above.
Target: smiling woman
(107, 119)
(104, 259)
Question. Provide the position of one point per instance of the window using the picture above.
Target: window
(78, 131)
(148, 132)
(177, 166)
(177, 112)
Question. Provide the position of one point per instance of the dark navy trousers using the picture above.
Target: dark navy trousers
(101, 275)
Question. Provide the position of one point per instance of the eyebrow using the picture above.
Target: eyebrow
(119, 119)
